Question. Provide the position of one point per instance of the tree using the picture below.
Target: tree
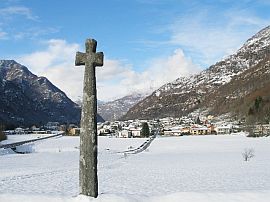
(145, 132)
(258, 114)
(198, 121)
(2, 134)
(248, 154)
(258, 102)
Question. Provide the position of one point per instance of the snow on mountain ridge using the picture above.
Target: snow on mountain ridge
(185, 93)
(264, 33)
(113, 110)
(219, 73)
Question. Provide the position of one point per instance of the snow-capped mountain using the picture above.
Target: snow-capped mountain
(28, 99)
(113, 110)
(188, 93)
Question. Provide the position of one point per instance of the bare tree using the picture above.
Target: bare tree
(248, 154)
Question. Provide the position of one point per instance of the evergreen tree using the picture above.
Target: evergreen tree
(198, 121)
(2, 134)
(145, 132)
(258, 102)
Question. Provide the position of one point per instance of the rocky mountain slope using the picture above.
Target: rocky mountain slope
(209, 87)
(239, 95)
(27, 99)
(113, 110)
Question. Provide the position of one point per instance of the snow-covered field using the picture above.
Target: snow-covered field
(189, 168)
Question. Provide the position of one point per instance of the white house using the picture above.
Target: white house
(124, 134)
(135, 132)
(175, 131)
(19, 131)
(223, 129)
(52, 126)
(130, 132)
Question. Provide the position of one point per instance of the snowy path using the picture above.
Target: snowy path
(173, 165)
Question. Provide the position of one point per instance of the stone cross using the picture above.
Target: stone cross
(88, 137)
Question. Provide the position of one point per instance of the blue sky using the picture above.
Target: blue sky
(146, 42)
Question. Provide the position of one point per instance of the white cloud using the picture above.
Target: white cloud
(113, 70)
(115, 79)
(56, 63)
(159, 72)
(18, 10)
(3, 35)
(208, 34)
(208, 39)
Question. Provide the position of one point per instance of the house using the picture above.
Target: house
(34, 128)
(262, 129)
(186, 130)
(175, 131)
(223, 129)
(199, 130)
(104, 131)
(19, 131)
(52, 126)
(114, 127)
(124, 134)
(74, 131)
(129, 132)
(135, 132)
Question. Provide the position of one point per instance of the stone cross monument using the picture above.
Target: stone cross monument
(88, 136)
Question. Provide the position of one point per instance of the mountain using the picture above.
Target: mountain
(113, 110)
(246, 95)
(212, 87)
(27, 99)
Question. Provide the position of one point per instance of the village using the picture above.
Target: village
(169, 126)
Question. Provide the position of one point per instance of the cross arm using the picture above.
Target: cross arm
(80, 59)
(99, 59)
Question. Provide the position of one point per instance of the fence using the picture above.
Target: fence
(142, 147)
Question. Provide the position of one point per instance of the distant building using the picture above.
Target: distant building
(174, 131)
(262, 129)
(52, 126)
(34, 128)
(135, 132)
(19, 131)
(74, 131)
(130, 132)
(199, 130)
(125, 134)
(221, 130)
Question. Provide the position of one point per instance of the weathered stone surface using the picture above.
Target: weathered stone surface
(88, 137)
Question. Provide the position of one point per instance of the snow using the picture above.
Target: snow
(27, 148)
(188, 168)
(157, 93)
